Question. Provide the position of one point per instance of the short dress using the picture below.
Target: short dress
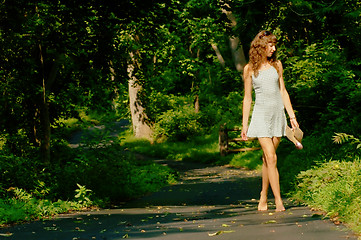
(268, 116)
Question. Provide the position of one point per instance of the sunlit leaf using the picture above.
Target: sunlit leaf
(219, 232)
(270, 222)
(8, 234)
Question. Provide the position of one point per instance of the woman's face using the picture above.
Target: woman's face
(270, 49)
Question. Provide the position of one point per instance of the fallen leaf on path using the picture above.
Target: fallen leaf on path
(225, 225)
(218, 233)
(270, 221)
(126, 236)
(50, 228)
(8, 234)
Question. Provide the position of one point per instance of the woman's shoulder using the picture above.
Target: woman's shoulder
(279, 64)
(247, 70)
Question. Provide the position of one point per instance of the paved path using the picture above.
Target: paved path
(208, 203)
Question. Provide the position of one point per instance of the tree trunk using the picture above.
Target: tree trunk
(47, 81)
(141, 128)
(44, 115)
(219, 55)
(196, 104)
(235, 44)
(115, 94)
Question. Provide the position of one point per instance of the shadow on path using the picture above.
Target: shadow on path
(208, 202)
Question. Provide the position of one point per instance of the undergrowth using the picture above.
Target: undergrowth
(30, 189)
(334, 186)
(23, 206)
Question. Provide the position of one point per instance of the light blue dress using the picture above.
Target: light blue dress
(268, 116)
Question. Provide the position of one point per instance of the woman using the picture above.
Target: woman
(268, 122)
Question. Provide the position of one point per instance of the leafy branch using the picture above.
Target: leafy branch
(340, 138)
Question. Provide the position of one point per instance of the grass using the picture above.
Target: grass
(203, 149)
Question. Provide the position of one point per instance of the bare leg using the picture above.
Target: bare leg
(270, 173)
(262, 205)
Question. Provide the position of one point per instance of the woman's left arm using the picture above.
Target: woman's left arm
(286, 98)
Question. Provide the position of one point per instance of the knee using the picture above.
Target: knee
(271, 160)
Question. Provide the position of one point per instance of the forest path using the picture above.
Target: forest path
(208, 202)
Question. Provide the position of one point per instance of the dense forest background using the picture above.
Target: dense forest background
(174, 69)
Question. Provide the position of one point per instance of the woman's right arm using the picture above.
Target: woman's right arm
(247, 99)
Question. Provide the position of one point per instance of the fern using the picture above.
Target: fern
(341, 138)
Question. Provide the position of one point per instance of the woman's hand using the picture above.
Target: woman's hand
(244, 133)
(294, 123)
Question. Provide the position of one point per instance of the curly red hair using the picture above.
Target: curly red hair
(258, 50)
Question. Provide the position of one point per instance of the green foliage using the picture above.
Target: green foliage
(77, 57)
(334, 187)
(343, 138)
(248, 160)
(148, 178)
(82, 196)
(314, 177)
(199, 149)
(20, 172)
(179, 124)
(112, 174)
(320, 83)
(23, 206)
(202, 148)
(318, 148)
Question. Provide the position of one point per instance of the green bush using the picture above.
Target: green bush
(178, 124)
(19, 172)
(334, 187)
(111, 174)
(23, 206)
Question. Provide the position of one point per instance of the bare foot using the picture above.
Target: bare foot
(262, 205)
(279, 206)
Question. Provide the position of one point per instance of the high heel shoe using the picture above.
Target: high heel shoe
(295, 136)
